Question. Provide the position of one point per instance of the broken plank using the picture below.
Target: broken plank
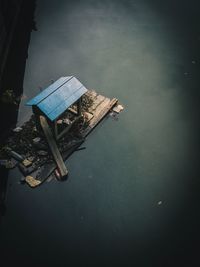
(99, 115)
(53, 146)
(47, 169)
(32, 182)
(96, 102)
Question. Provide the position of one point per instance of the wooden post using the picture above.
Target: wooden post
(79, 106)
(54, 149)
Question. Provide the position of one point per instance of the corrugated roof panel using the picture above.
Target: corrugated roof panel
(60, 95)
(54, 100)
(66, 104)
(49, 90)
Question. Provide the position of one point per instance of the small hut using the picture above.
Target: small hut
(57, 102)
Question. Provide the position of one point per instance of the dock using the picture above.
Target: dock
(93, 115)
(64, 114)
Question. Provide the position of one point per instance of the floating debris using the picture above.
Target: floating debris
(36, 140)
(42, 153)
(15, 155)
(32, 181)
(26, 163)
(118, 108)
(29, 148)
(17, 129)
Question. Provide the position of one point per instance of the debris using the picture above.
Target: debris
(113, 115)
(31, 158)
(26, 163)
(29, 147)
(32, 181)
(67, 121)
(42, 153)
(17, 130)
(160, 202)
(36, 140)
(118, 108)
(59, 121)
(193, 62)
(40, 146)
(53, 146)
(8, 164)
(12, 163)
(15, 155)
(57, 174)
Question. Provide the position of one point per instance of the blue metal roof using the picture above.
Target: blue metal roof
(60, 95)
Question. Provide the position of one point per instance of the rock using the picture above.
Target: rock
(15, 155)
(17, 129)
(36, 140)
(67, 121)
(42, 153)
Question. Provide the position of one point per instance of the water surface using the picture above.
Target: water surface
(130, 197)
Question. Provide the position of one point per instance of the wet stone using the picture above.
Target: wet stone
(42, 153)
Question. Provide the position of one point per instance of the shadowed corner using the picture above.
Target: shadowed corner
(17, 22)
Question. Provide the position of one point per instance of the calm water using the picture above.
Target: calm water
(132, 195)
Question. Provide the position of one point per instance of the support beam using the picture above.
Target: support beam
(53, 146)
(79, 103)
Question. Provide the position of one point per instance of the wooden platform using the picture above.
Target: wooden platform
(100, 106)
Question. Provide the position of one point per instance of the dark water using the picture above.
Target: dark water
(132, 197)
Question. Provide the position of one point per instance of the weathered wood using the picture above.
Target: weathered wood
(32, 182)
(96, 102)
(103, 107)
(53, 146)
(99, 114)
(47, 169)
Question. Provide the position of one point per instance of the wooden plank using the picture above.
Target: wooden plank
(99, 115)
(32, 182)
(100, 108)
(46, 170)
(53, 146)
(97, 101)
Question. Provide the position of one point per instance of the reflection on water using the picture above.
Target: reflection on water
(128, 195)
